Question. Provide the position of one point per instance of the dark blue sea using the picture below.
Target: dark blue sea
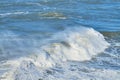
(59, 39)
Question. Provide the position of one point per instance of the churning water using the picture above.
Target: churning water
(59, 40)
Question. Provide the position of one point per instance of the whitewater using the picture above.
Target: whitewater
(73, 44)
(59, 40)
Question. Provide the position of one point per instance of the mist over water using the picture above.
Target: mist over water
(59, 40)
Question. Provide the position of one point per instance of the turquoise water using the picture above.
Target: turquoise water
(32, 31)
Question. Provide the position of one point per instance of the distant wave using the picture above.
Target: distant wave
(75, 44)
(53, 15)
(14, 13)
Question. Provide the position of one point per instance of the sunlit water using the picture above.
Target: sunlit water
(59, 40)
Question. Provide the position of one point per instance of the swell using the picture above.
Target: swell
(74, 44)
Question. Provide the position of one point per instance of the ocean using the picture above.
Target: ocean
(59, 40)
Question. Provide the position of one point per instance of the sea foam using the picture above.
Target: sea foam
(72, 44)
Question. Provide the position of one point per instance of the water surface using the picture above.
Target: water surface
(31, 31)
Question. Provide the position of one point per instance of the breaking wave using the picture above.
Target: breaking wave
(72, 44)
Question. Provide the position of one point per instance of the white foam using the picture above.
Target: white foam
(13, 13)
(77, 71)
(76, 44)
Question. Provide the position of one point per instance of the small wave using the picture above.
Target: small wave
(53, 15)
(75, 44)
(14, 13)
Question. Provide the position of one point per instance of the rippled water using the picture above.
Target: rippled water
(45, 40)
